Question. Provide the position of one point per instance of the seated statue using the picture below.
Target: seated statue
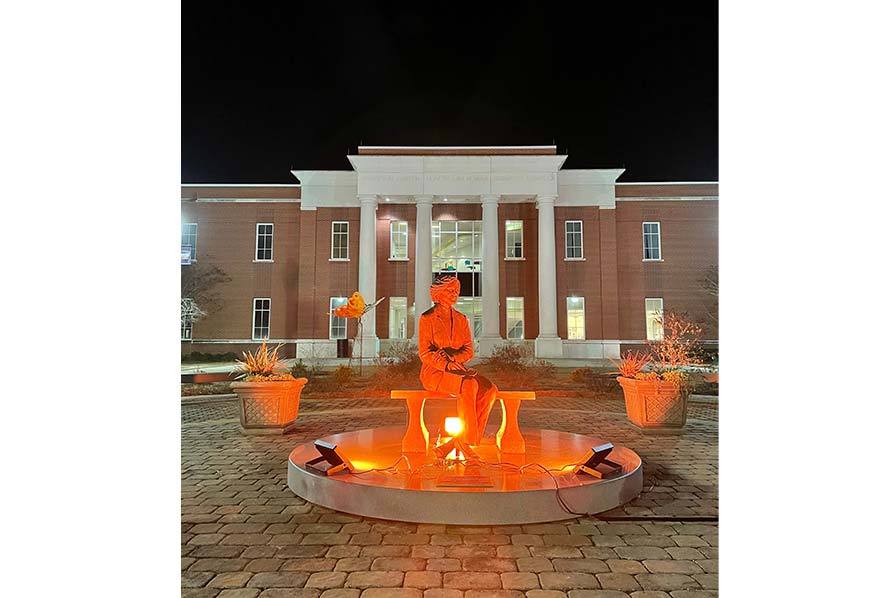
(445, 344)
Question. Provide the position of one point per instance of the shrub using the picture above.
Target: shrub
(630, 364)
(342, 375)
(302, 370)
(595, 381)
(399, 366)
(509, 356)
(199, 357)
(680, 344)
(514, 365)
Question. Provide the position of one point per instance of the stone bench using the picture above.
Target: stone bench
(416, 439)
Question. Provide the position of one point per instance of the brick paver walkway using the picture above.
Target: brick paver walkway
(245, 534)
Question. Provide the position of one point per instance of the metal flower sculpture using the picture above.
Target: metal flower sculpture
(357, 308)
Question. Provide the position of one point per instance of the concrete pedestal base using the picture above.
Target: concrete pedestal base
(423, 489)
(548, 347)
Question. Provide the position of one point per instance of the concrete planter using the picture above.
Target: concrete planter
(268, 407)
(655, 407)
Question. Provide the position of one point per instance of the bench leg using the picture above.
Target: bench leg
(509, 438)
(416, 439)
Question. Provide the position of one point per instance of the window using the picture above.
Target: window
(338, 327)
(186, 319)
(652, 241)
(188, 232)
(264, 242)
(575, 318)
(261, 319)
(399, 240)
(514, 239)
(654, 311)
(340, 241)
(574, 242)
(515, 318)
(397, 317)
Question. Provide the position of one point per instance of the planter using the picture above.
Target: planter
(268, 407)
(655, 406)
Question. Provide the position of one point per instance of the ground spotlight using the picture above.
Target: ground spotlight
(331, 454)
(596, 464)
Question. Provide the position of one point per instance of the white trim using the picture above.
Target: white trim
(240, 341)
(242, 199)
(566, 240)
(332, 238)
(258, 225)
(237, 185)
(506, 245)
(643, 234)
(399, 259)
(514, 259)
(674, 183)
(255, 309)
(452, 147)
(692, 198)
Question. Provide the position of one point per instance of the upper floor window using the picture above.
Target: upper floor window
(338, 327)
(574, 240)
(575, 317)
(188, 231)
(398, 240)
(340, 241)
(264, 242)
(514, 239)
(515, 318)
(652, 241)
(654, 310)
(261, 319)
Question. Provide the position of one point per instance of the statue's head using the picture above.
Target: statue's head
(445, 290)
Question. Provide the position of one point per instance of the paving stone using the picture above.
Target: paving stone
(205, 539)
(366, 539)
(496, 565)
(260, 565)
(693, 541)
(582, 529)
(356, 528)
(329, 539)
(597, 594)
(442, 593)
(539, 529)
(641, 553)
(582, 565)
(471, 551)
(684, 553)
(567, 581)
(278, 580)
(672, 566)
(354, 564)
(513, 552)
(185, 562)
(443, 565)
(598, 552)
(246, 539)
(534, 564)
(319, 528)
(341, 593)
(239, 593)
(667, 581)
(430, 528)
(708, 581)
(618, 581)
(446, 540)
(224, 552)
(545, 594)
(218, 565)
(708, 565)
(385, 563)
(391, 550)
(694, 594)
(650, 594)
(566, 540)
(607, 540)
(301, 552)
(649, 540)
(205, 528)
(375, 579)
(625, 566)
(422, 579)
(620, 529)
(231, 579)
(275, 529)
(489, 539)
(431, 552)
(326, 579)
(519, 581)
(289, 593)
(342, 551)
(494, 594)
(468, 580)
(392, 593)
(195, 579)
(405, 539)
(527, 539)
(309, 565)
(199, 592)
(556, 552)
(243, 528)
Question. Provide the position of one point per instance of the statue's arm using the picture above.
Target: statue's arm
(428, 351)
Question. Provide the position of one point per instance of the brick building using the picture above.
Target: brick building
(571, 260)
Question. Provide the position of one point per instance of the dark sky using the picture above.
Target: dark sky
(269, 89)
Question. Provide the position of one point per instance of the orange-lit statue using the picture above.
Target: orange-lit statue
(445, 344)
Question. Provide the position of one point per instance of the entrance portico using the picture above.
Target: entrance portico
(486, 177)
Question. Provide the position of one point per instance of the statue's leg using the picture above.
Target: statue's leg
(484, 402)
(466, 409)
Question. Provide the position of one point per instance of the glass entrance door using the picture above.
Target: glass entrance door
(457, 248)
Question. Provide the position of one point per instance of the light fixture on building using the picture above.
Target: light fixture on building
(445, 199)
(388, 199)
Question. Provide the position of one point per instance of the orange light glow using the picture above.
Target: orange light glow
(453, 426)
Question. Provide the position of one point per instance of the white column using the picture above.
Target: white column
(490, 276)
(366, 271)
(548, 343)
(423, 271)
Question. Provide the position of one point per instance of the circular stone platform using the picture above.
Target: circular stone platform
(503, 496)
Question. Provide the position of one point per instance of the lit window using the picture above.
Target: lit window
(397, 317)
(338, 327)
(514, 239)
(515, 318)
(188, 231)
(574, 241)
(186, 319)
(575, 318)
(264, 242)
(652, 241)
(399, 240)
(340, 241)
(261, 319)
(654, 311)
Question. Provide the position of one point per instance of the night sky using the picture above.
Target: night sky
(265, 90)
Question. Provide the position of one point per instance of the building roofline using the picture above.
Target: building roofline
(238, 185)
(453, 147)
(673, 183)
